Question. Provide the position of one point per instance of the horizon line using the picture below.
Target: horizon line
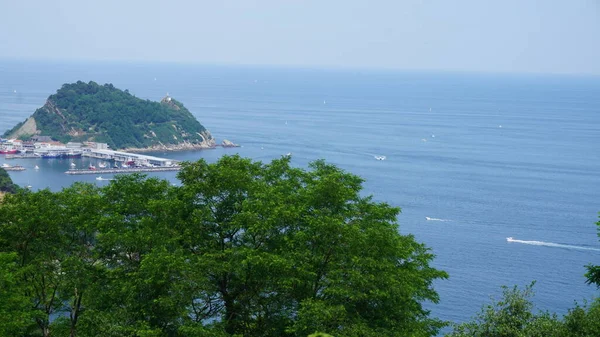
(325, 67)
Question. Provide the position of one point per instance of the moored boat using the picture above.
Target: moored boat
(13, 168)
(72, 154)
(51, 155)
(6, 150)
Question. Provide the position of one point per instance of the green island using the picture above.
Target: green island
(240, 248)
(82, 112)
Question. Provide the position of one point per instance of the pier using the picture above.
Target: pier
(21, 156)
(110, 155)
(13, 168)
(123, 170)
(120, 156)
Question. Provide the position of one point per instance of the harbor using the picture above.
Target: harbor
(110, 161)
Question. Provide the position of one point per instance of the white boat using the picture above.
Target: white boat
(102, 165)
(36, 167)
(510, 239)
(73, 164)
(380, 157)
(99, 178)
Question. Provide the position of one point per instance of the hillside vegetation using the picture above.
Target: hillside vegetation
(102, 113)
(6, 184)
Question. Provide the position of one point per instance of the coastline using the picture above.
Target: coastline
(178, 147)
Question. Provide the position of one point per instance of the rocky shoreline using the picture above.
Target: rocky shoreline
(183, 147)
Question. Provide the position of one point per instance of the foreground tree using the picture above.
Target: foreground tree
(289, 252)
(513, 316)
(593, 273)
(15, 311)
(6, 184)
(241, 248)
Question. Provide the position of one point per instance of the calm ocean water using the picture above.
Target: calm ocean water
(484, 157)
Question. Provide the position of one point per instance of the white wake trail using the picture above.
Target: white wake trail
(435, 219)
(551, 244)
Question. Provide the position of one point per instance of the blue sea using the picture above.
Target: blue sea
(470, 158)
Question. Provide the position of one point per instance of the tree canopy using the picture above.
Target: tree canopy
(6, 184)
(513, 316)
(593, 273)
(91, 112)
(240, 248)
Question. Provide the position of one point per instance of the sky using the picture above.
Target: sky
(546, 36)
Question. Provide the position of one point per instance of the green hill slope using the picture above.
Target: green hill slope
(102, 113)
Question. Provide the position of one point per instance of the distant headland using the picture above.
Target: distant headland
(90, 112)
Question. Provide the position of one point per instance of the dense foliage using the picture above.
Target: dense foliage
(6, 184)
(89, 111)
(593, 273)
(513, 316)
(240, 248)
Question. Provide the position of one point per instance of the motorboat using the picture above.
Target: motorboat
(380, 157)
(510, 239)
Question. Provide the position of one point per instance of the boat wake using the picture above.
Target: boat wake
(551, 244)
(436, 219)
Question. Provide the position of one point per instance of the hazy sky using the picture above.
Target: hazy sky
(557, 36)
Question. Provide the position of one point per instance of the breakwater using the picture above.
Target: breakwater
(123, 170)
(13, 168)
(21, 156)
